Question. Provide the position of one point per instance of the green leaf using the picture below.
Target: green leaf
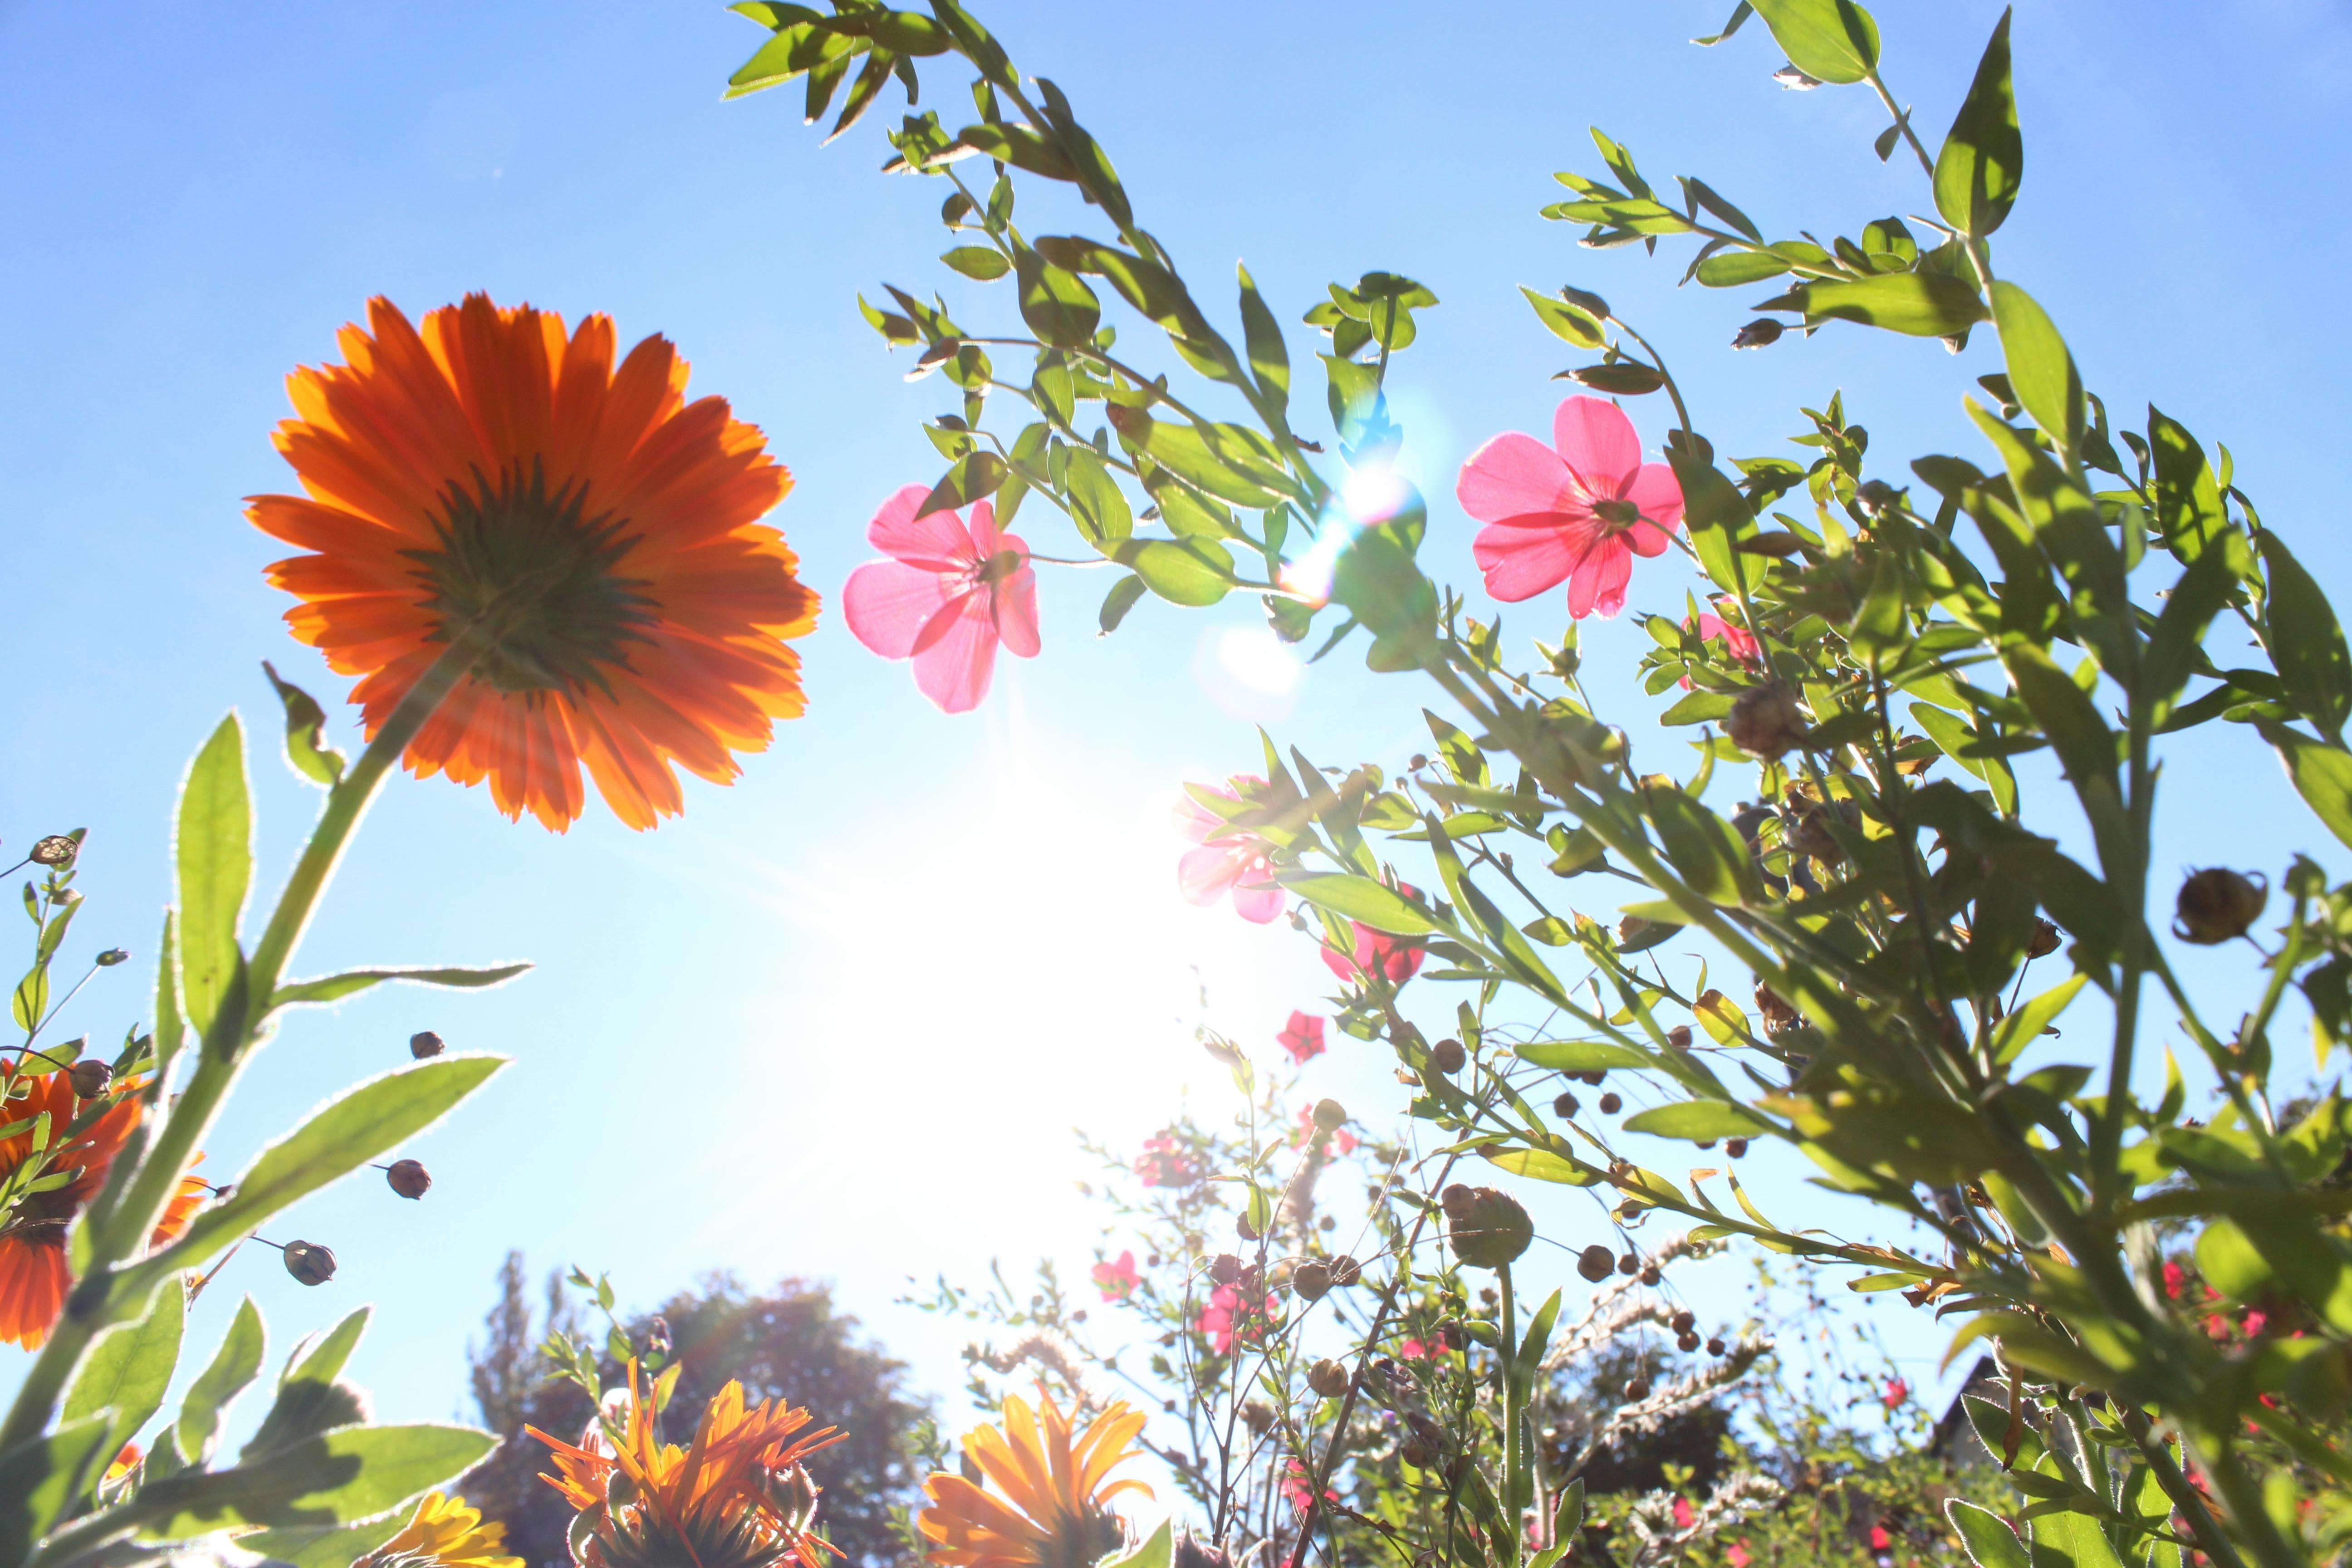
(1919, 304)
(322, 1545)
(1698, 1120)
(2320, 773)
(1580, 1055)
(335, 987)
(236, 1363)
(1705, 850)
(1057, 303)
(128, 1370)
(375, 1116)
(1835, 41)
(1102, 512)
(1959, 743)
(214, 853)
(2040, 370)
(2304, 638)
(169, 1029)
(1269, 356)
(2071, 1539)
(2189, 512)
(1734, 268)
(978, 261)
(1990, 1541)
(306, 728)
(1227, 470)
(1195, 572)
(309, 1399)
(1361, 899)
(1624, 378)
(2015, 1032)
(1122, 597)
(1154, 1551)
(1541, 1165)
(335, 1477)
(1982, 160)
(1572, 322)
(1526, 1363)
(41, 1477)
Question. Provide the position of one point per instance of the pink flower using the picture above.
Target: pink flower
(1879, 1539)
(1577, 514)
(2175, 1277)
(1896, 1393)
(2254, 1322)
(1165, 1163)
(1229, 859)
(1737, 1556)
(1232, 1316)
(1338, 1141)
(1115, 1279)
(1298, 1487)
(1395, 959)
(1740, 644)
(1302, 1037)
(1414, 1350)
(1685, 1515)
(945, 599)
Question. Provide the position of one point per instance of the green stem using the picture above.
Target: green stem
(1514, 1396)
(100, 1297)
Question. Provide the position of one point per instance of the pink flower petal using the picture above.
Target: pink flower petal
(888, 602)
(937, 540)
(1599, 581)
(954, 670)
(1512, 476)
(983, 529)
(1643, 539)
(1597, 440)
(1521, 562)
(1016, 605)
(1658, 493)
(1339, 964)
(1193, 820)
(1260, 906)
(1202, 875)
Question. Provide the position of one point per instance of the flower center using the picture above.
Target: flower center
(1619, 515)
(540, 576)
(997, 568)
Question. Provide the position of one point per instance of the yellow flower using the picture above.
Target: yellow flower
(1052, 1512)
(446, 1534)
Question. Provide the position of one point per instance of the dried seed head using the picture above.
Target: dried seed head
(1258, 1416)
(1630, 1265)
(424, 1043)
(1224, 1269)
(1330, 1114)
(89, 1077)
(408, 1178)
(1243, 1228)
(1765, 721)
(2045, 940)
(1327, 1378)
(310, 1262)
(2216, 905)
(1650, 1275)
(1637, 1389)
(1311, 1280)
(1735, 1147)
(1564, 1106)
(1611, 1104)
(1345, 1271)
(1596, 1263)
(56, 849)
(1448, 1057)
(1682, 1322)
(1687, 1343)
(1778, 1013)
(1490, 1230)
(1417, 1454)
(1679, 1036)
(1715, 1347)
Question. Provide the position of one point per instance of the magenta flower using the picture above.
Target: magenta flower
(1302, 1037)
(1228, 860)
(1577, 512)
(1740, 644)
(1231, 1315)
(1164, 1162)
(1298, 1487)
(1117, 1280)
(945, 598)
(1395, 959)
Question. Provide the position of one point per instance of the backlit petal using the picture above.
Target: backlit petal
(1596, 439)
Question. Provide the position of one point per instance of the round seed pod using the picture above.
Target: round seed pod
(424, 1043)
(1685, 1342)
(1311, 1280)
(1735, 1147)
(2045, 940)
(408, 1178)
(1682, 1322)
(1595, 1263)
(1345, 1271)
(89, 1077)
(1637, 1389)
(1330, 1114)
(1765, 721)
(1565, 1106)
(1489, 1230)
(1448, 1057)
(1679, 1036)
(1630, 1265)
(56, 849)
(2216, 905)
(309, 1262)
(1650, 1275)
(1224, 1269)
(1611, 1104)
(1715, 1347)
(1327, 1378)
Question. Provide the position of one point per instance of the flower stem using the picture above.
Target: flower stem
(1513, 1396)
(99, 1298)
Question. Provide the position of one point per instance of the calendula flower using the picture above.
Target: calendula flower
(1043, 1499)
(1576, 511)
(445, 1532)
(126, 1460)
(582, 542)
(1230, 859)
(735, 1498)
(948, 595)
(34, 1278)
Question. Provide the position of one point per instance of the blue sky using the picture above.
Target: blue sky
(838, 1019)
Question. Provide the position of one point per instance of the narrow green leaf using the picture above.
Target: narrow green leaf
(1982, 161)
(1698, 1120)
(1122, 597)
(335, 987)
(1919, 304)
(1580, 1055)
(2304, 638)
(2015, 1032)
(2320, 773)
(2040, 370)
(1735, 268)
(305, 730)
(1057, 303)
(170, 1031)
(1226, 470)
(979, 262)
(1835, 41)
(236, 1363)
(1361, 899)
(1269, 356)
(348, 1133)
(2189, 512)
(1193, 572)
(214, 854)
(128, 1370)
(1541, 1165)
(1571, 322)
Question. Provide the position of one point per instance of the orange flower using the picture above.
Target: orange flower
(33, 1274)
(445, 1532)
(597, 536)
(1054, 1512)
(736, 1497)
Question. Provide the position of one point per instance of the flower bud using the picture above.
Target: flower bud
(1761, 332)
(1630, 1265)
(1595, 1263)
(1637, 1389)
(1448, 1057)
(2045, 940)
(1765, 721)
(1491, 1229)
(1682, 1322)
(310, 1262)
(1564, 1106)
(1417, 763)
(1611, 1104)
(1345, 1271)
(408, 1178)
(1327, 1378)
(424, 1043)
(112, 956)
(1224, 1269)
(1715, 1347)
(1650, 1274)
(792, 1494)
(1311, 1280)
(89, 1077)
(2216, 905)
(56, 849)
(1330, 1114)
(1679, 1036)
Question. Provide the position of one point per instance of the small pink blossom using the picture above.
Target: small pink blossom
(1229, 859)
(1740, 644)
(1414, 1350)
(1230, 1316)
(1302, 1037)
(1896, 1393)
(1879, 1539)
(1576, 511)
(1685, 1515)
(1737, 1556)
(948, 595)
(1165, 1162)
(1338, 1140)
(1298, 1487)
(2175, 1277)
(1117, 1280)
(1395, 959)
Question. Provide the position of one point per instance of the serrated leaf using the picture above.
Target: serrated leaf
(127, 1372)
